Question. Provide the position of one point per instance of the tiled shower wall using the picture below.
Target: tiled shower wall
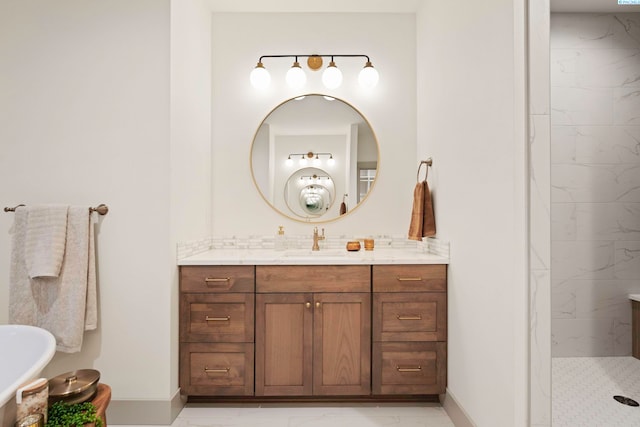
(595, 181)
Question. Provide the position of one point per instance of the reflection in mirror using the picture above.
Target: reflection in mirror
(314, 132)
(309, 192)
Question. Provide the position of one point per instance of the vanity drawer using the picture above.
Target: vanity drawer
(217, 278)
(217, 317)
(409, 368)
(409, 316)
(313, 278)
(410, 278)
(216, 369)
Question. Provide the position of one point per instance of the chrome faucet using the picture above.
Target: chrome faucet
(317, 238)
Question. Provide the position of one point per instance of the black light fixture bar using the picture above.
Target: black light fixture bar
(309, 56)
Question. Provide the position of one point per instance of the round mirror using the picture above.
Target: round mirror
(312, 152)
(309, 192)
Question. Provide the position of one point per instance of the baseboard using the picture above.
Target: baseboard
(144, 412)
(457, 414)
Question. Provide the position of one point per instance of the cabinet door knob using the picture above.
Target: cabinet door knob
(308, 304)
(317, 304)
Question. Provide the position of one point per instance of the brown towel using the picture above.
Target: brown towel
(343, 208)
(429, 221)
(423, 223)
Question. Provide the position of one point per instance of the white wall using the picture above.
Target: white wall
(238, 109)
(86, 119)
(595, 118)
(190, 139)
(107, 65)
(469, 84)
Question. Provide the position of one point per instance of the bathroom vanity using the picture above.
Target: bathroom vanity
(268, 325)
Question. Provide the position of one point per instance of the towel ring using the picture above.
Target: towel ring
(428, 164)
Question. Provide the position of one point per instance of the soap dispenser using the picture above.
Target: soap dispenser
(280, 243)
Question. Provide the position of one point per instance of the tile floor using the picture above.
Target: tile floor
(583, 390)
(313, 415)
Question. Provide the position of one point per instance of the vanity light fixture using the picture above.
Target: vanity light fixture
(331, 77)
(304, 157)
(260, 77)
(296, 78)
(315, 178)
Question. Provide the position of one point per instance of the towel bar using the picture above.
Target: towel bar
(102, 209)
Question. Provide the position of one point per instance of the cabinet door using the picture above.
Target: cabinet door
(342, 344)
(284, 344)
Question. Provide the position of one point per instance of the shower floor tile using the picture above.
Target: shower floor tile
(583, 390)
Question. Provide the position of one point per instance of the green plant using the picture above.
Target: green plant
(62, 414)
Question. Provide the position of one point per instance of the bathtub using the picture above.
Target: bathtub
(24, 352)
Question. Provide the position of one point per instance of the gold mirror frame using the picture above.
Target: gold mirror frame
(329, 217)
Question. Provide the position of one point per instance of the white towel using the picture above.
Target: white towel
(22, 305)
(66, 306)
(45, 240)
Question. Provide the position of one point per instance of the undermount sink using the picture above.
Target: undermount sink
(308, 253)
(26, 350)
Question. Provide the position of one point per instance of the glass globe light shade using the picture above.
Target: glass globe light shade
(368, 76)
(260, 77)
(332, 76)
(331, 161)
(303, 161)
(296, 78)
(289, 161)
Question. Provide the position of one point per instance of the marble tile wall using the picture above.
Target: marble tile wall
(539, 215)
(595, 181)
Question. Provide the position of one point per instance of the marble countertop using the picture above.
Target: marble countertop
(634, 297)
(308, 257)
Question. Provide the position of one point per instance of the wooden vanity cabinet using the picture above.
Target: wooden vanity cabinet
(368, 331)
(217, 330)
(313, 333)
(409, 329)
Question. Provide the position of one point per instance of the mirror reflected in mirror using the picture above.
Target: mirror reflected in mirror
(309, 192)
(311, 151)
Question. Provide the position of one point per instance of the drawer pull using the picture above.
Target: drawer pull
(409, 369)
(217, 319)
(216, 371)
(400, 317)
(308, 304)
(217, 279)
(409, 279)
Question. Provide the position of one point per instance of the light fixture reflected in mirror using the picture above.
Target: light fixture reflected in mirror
(315, 158)
(331, 77)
